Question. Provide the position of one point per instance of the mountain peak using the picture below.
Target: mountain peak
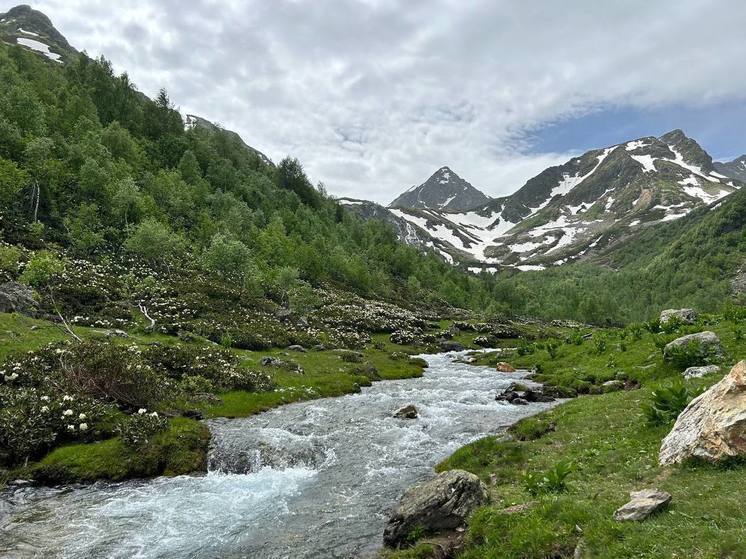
(22, 25)
(444, 190)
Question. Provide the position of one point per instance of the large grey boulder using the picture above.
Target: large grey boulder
(443, 503)
(713, 426)
(16, 297)
(697, 372)
(686, 316)
(708, 342)
(642, 504)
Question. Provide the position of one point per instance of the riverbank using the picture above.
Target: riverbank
(291, 375)
(608, 446)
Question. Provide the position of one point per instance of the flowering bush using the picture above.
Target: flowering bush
(139, 428)
(113, 372)
(200, 368)
(33, 421)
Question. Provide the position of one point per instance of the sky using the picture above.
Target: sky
(374, 95)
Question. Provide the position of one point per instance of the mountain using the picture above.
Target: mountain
(444, 190)
(735, 169)
(194, 121)
(30, 28)
(593, 201)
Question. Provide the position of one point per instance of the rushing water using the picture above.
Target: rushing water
(314, 479)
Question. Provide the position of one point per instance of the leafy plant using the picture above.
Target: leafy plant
(666, 403)
(551, 481)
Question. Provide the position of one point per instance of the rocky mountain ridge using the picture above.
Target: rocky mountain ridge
(445, 191)
(569, 212)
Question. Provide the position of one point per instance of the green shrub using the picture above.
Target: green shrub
(692, 354)
(42, 269)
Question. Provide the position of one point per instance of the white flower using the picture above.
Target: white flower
(142, 411)
(45, 398)
(71, 427)
(84, 427)
(82, 416)
(67, 398)
(45, 409)
(154, 414)
(67, 413)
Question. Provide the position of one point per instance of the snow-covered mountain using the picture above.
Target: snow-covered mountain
(31, 29)
(568, 212)
(444, 190)
(735, 169)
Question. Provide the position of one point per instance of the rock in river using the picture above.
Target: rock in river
(713, 425)
(442, 503)
(407, 412)
(642, 504)
(504, 367)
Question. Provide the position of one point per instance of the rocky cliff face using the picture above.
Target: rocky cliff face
(33, 30)
(735, 169)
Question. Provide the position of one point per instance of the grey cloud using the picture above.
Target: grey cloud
(374, 95)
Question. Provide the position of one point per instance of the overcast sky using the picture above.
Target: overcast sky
(375, 95)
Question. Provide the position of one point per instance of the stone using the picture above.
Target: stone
(708, 342)
(16, 297)
(697, 372)
(116, 333)
(519, 401)
(685, 316)
(298, 348)
(612, 386)
(504, 367)
(642, 504)
(713, 426)
(443, 503)
(448, 345)
(407, 412)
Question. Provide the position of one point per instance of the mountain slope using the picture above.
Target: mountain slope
(444, 190)
(735, 169)
(31, 29)
(194, 121)
(570, 211)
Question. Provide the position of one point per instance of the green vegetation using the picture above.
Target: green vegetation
(565, 471)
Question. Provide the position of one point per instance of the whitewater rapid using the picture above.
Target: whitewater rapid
(316, 479)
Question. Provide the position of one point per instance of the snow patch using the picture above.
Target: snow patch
(39, 47)
(647, 162)
(631, 146)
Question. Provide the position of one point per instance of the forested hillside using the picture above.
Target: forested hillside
(90, 165)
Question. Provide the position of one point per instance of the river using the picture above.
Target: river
(315, 479)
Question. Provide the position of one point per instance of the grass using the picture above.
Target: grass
(181, 449)
(613, 450)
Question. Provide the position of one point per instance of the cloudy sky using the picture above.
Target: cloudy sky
(374, 95)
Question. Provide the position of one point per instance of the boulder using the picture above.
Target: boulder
(16, 297)
(407, 412)
(642, 504)
(504, 367)
(708, 342)
(298, 348)
(519, 401)
(612, 386)
(442, 503)
(448, 345)
(685, 316)
(697, 372)
(713, 426)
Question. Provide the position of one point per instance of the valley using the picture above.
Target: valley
(206, 353)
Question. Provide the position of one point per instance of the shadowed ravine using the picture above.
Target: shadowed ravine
(314, 479)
